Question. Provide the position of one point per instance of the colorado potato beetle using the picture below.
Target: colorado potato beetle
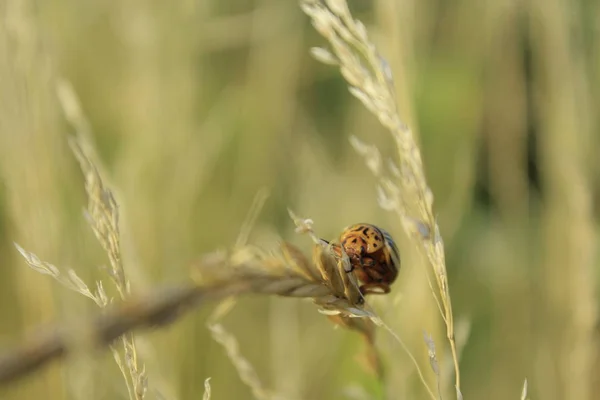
(373, 255)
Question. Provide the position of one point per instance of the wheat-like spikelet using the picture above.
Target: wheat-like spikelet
(288, 273)
(403, 189)
(72, 281)
(103, 216)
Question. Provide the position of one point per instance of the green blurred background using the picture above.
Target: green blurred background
(197, 105)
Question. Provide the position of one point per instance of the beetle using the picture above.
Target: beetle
(373, 254)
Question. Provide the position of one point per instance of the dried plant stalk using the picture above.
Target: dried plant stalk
(403, 189)
(159, 307)
(524, 390)
(103, 216)
(207, 389)
(244, 270)
(242, 365)
(289, 274)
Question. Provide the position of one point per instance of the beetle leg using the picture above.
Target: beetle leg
(351, 268)
(340, 257)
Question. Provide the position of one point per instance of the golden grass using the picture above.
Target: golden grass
(197, 107)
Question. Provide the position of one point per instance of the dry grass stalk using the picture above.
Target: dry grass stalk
(524, 390)
(366, 328)
(207, 390)
(241, 364)
(244, 270)
(403, 189)
(159, 307)
(103, 216)
(244, 368)
(412, 358)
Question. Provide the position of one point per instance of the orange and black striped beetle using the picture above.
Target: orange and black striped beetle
(373, 255)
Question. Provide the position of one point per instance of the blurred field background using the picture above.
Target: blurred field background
(196, 106)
